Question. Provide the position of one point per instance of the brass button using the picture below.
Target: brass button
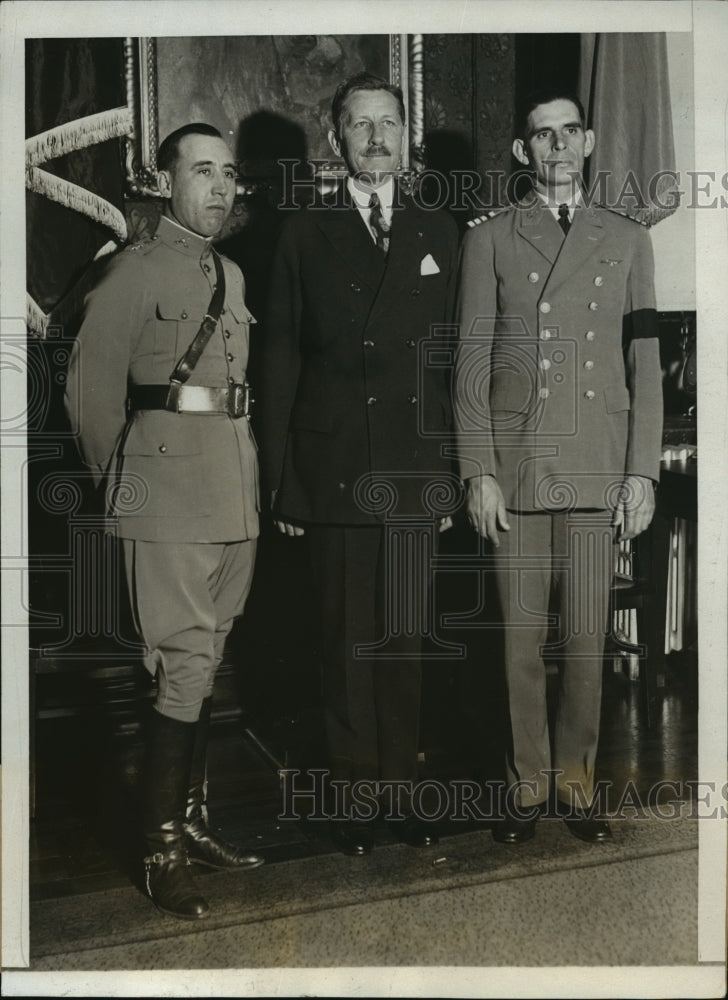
(545, 335)
(412, 399)
(545, 307)
(599, 281)
(543, 393)
(206, 267)
(230, 357)
(589, 394)
(593, 306)
(163, 448)
(588, 365)
(355, 287)
(533, 277)
(222, 311)
(371, 401)
(590, 335)
(545, 364)
(369, 343)
(228, 334)
(231, 380)
(184, 314)
(558, 377)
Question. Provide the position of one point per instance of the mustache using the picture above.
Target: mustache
(378, 151)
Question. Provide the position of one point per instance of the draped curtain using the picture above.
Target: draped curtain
(624, 86)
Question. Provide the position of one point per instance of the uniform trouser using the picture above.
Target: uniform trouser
(371, 706)
(185, 597)
(561, 563)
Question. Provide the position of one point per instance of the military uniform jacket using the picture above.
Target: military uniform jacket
(348, 399)
(172, 476)
(558, 382)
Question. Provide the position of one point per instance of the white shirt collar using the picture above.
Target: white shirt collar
(361, 194)
(553, 206)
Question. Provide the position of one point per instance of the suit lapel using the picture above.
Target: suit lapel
(585, 235)
(344, 228)
(405, 245)
(537, 226)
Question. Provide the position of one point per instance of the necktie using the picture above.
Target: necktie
(564, 218)
(379, 226)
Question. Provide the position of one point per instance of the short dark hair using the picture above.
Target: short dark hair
(545, 95)
(169, 149)
(362, 81)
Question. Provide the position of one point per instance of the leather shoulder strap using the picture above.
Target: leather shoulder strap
(186, 365)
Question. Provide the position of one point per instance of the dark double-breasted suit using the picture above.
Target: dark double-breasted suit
(558, 396)
(353, 418)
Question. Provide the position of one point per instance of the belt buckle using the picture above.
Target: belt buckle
(241, 401)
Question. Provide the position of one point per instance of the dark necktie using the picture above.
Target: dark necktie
(564, 218)
(379, 226)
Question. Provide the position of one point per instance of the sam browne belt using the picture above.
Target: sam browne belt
(235, 400)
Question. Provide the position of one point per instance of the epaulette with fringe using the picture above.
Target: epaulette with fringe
(626, 215)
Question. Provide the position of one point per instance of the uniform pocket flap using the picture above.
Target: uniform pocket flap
(236, 304)
(616, 398)
(171, 305)
(163, 435)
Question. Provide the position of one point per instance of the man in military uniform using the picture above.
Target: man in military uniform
(558, 406)
(157, 378)
(358, 281)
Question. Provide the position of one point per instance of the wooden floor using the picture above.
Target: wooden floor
(84, 836)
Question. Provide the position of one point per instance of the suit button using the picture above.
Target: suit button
(588, 365)
(371, 401)
(163, 448)
(412, 399)
(593, 306)
(545, 364)
(410, 342)
(184, 314)
(543, 393)
(599, 281)
(355, 287)
(415, 291)
(590, 335)
(533, 277)
(369, 343)
(589, 394)
(545, 307)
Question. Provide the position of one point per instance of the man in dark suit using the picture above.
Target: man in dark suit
(163, 428)
(352, 423)
(558, 407)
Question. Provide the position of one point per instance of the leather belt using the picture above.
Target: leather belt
(235, 400)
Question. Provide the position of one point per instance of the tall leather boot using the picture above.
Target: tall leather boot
(168, 876)
(203, 845)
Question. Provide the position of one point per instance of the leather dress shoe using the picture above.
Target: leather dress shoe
(354, 839)
(514, 830)
(414, 832)
(591, 829)
(205, 847)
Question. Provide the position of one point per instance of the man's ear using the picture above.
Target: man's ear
(589, 141)
(334, 141)
(164, 183)
(519, 151)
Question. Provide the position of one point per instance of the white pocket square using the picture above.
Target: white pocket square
(428, 265)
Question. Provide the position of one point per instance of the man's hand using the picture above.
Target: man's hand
(286, 528)
(635, 508)
(486, 508)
